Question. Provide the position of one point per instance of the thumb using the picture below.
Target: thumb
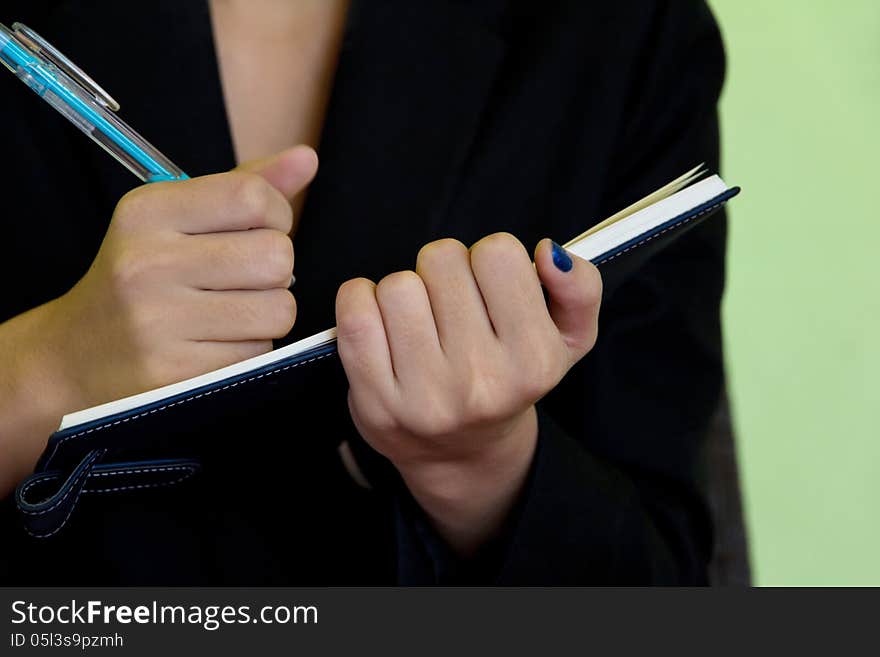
(575, 289)
(288, 171)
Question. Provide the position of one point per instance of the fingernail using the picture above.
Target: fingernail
(561, 258)
(292, 281)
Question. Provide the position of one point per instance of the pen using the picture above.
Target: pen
(75, 95)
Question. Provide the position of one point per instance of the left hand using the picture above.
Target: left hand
(445, 365)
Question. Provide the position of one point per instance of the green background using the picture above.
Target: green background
(800, 117)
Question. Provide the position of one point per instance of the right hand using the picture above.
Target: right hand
(192, 275)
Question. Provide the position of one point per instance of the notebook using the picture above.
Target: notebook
(75, 451)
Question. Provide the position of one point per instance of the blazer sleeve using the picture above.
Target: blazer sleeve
(614, 493)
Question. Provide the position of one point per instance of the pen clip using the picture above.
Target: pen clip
(42, 48)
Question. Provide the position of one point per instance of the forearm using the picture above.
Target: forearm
(34, 393)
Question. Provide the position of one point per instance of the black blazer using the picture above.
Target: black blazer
(447, 118)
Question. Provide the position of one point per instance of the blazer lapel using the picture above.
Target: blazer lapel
(410, 87)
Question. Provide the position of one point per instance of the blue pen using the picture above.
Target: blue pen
(75, 95)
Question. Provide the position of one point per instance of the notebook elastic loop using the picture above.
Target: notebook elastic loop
(47, 515)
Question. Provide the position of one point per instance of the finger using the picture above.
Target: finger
(459, 311)
(221, 202)
(409, 326)
(511, 289)
(575, 289)
(259, 259)
(288, 171)
(239, 315)
(363, 346)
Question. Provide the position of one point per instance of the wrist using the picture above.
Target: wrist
(34, 392)
(469, 500)
(49, 365)
(44, 376)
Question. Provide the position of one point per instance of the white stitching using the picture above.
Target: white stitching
(66, 517)
(84, 472)
(39, 480)
(137, 470)
(141, 486)
(665, 230)
(110, 473)
(182, 401)
(190, 471)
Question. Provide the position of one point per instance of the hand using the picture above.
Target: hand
(446, 363)
(191, 276)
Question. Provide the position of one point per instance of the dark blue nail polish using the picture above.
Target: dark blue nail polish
(561, 258)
